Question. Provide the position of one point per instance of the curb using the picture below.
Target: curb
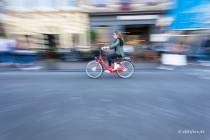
(82, 70)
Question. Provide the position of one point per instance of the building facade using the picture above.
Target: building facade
(46, 23)
(138, 20)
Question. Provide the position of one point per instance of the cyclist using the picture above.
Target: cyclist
(118, 46)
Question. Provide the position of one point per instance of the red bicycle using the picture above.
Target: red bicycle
(94, 69)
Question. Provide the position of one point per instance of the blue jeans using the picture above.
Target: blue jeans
(111, 58)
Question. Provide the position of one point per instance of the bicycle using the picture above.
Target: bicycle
(95, 68)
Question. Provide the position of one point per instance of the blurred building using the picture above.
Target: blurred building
(138, 20)
(46, 24)
(1, 26)
(191, 26)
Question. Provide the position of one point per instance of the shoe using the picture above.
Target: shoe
(94, 69)
(107, 71)
(116, 66)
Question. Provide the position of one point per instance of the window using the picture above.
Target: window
(43, 3)
(125, 1)
(18, 3)
(67, 3)
(75, 40)
(48, 3)
(125, 4)
(72, 3)
(100, 2)
(102, 34)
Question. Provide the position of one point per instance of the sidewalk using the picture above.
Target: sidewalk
(81, 65)
(139, 65)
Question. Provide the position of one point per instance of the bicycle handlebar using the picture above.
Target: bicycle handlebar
(102, 48)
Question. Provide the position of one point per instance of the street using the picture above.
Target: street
(151, 105)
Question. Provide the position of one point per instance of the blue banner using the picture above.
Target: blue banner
(190, 14)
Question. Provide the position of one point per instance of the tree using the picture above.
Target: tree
(92, 33)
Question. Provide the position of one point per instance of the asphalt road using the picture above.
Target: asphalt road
(70, 106)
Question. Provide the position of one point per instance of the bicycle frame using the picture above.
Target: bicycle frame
(110, 68)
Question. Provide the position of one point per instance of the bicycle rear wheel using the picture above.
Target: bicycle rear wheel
(128, 69)
(94, 69)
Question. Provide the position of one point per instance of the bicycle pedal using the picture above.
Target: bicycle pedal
(94, 69)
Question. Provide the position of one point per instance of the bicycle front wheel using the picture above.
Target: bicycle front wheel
(128, 69)
(94, 69)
